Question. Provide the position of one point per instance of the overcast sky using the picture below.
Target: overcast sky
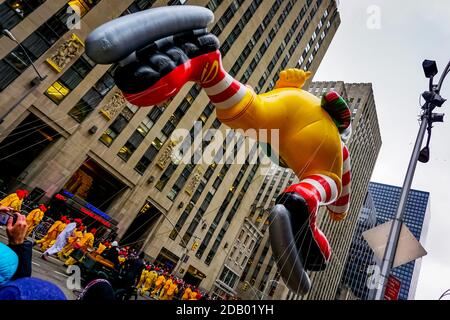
(390, 57)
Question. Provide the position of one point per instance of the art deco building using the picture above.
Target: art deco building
(260, 277)
(71, 138)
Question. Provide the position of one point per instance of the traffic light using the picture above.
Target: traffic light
(194, 246)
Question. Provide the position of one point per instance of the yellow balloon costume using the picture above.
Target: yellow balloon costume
(300, 119)
(306, 132)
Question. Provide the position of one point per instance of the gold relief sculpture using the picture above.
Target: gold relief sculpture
(193, 183)
(114, 106)
(166, 154)
(65, 53)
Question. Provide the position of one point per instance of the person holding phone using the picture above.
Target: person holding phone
(16, 230)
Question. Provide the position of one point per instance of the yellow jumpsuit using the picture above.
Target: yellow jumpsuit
(158, 285)
(87, 241)
(169, 291)
(12, 201)
(144, 274)
(48, 240)
(186, 294)
(149, 282)
(193, 295)
(165, 287)
(33, 219)
(67, 250)
(311, 143)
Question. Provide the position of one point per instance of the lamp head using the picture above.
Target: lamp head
(430, 68)
(8, 33)
(424, 155)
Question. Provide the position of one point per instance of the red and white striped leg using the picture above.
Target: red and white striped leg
(339, 209)
(302, 201)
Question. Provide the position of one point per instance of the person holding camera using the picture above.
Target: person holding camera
(16, 230)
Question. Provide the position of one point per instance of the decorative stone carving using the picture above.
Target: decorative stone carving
(114, 106)
(193, 183)
(65, 53)
(166, 154)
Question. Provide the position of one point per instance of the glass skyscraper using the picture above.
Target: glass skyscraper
(386, 198)
(381, 206)
(361, 256)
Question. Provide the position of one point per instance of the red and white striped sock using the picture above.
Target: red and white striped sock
(339, 208)
(316, 189)
(222, 89)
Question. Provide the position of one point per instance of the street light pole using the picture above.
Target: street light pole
(432, 100)
(8, 33)
(391, 248)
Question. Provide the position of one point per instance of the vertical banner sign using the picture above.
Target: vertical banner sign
(392, 288)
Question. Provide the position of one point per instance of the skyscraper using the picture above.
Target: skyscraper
(74, 141)
(417, 217)
(260, 277)
(360, 257)
(364, 147)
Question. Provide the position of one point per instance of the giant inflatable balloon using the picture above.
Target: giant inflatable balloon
(158, 50)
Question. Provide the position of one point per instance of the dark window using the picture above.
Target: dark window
(148, 157)
(14, 11)
(94, 96)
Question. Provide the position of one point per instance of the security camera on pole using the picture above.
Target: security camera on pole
(432, 99)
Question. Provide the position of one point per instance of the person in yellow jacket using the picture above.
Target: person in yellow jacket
(167, 284)
(14, 200)
(160, 281)
(194, 295)
(86, 242)
(149, 282)
(170, 289)
(52, 233)
(187, 293)
(143, 276)
(35, 217)
(72, 243)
